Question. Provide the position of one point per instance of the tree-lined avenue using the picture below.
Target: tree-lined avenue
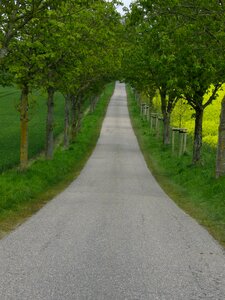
(112, 234)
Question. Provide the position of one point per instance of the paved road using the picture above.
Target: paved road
(113, 234)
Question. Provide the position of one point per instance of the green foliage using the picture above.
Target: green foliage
(10, 124)
(182, 116)
(179, 50)
(194, 188)
(20, 191)
(66, 46)
(16, 15)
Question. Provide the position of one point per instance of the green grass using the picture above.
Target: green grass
(194, 188)
(21, 194)
(10, 124)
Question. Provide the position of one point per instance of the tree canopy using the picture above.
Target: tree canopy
(179, 45)
(67, 46)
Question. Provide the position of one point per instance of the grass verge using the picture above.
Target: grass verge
(22, 194)
(193, 188)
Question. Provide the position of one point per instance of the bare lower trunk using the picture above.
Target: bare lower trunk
(49, 124)
(24, 127)
(220, 159)
(137, 98)
(94, 100)
(74, 115)
(80, 115)
(67, 121)
(166, 117)
(197, 136)
(150, 103)
(166, 129)
(92, 104)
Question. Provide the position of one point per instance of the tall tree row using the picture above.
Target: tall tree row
(66, 46)
(177, 48)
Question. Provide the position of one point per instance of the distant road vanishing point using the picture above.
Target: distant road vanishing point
(112, 234)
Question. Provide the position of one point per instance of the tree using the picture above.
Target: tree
(156, 63)
(185, 61)
(22, 62)
(19, 41)
(27, 60)
(52, 34)
(91, 56)
(200, 67)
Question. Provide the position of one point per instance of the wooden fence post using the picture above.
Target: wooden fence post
(185, 141)
(148, 113)
(151, 120)
(142, 108)
(181, 143)
(157, 126)
(173, 140)
(182, 140)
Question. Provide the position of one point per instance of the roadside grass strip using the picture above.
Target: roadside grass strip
(194, 188)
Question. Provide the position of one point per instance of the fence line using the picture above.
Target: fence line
(154, 120)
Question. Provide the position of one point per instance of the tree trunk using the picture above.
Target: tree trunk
(49, 124)
(24, 127)
(166, 117)
(220, 159)
(92, 104)
(150, 103)
(94, 100)
(197, 135)
(74, 115)
(80, 115)
(67, 121)
(166, 129)
(137, 97)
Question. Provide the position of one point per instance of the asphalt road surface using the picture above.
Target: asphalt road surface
(112, 234)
